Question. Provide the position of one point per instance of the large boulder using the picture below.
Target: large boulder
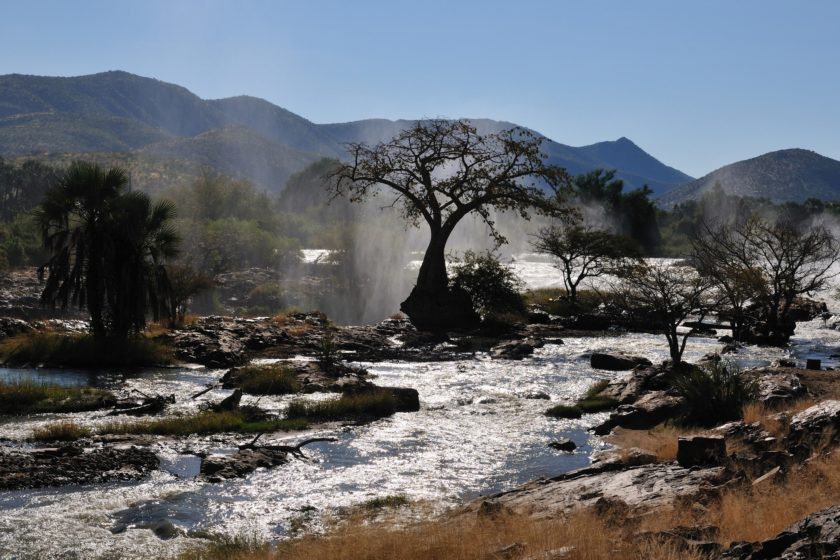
(777, 385)
(694, 451)
(816, 536)
(617, 362)
(650, 410)
(811, 427)
(450, 310)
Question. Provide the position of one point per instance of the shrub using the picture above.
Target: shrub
(564, 411)
(596, 404)
(374, 404)
(492, 286)
(274, 379)
(66, 430)
(714, 394)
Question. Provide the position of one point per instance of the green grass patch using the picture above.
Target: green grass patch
(275, 379)
(203, 423)
(373, 404)
(27, 397)
(65, 430)
(564, 411)
(596, 404)
(83, 351)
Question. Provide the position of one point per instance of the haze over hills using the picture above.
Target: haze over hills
(793, 175)
(137, 121)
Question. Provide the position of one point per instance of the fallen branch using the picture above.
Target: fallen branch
(294, 450)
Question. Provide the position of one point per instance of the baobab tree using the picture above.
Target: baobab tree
(439, 172)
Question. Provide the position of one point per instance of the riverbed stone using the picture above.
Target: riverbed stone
(515, 349)
(563, 444)
(616, 361)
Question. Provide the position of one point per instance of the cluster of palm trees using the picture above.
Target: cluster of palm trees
(107, 249)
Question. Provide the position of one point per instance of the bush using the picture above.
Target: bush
(374, 404)
(564, 411)
(267, 299)
(714, 394)
(492, 286)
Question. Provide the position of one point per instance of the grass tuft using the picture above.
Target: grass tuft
(564, 411)
(275, 379)
(27, 397)
(203, 423)
(65, 430)
(83, 351)
(373, 404)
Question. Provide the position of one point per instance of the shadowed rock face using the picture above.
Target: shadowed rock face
(816, 536)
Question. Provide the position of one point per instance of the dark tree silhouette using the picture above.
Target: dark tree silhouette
(438, 172)
(106, 248)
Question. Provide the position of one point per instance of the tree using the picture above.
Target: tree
(766, 265)
(668, 295)
(439, 172)
(583, 252)
(184, 282)
(106, 248)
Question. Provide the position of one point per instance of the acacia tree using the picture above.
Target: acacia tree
(668, 295)
(766, 265)
(583, 252)
(439, 172)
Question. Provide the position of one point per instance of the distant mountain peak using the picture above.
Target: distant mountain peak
(789, 175)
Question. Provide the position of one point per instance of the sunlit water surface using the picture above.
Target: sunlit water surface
(478, 431)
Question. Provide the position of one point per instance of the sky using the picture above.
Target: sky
(697, 84)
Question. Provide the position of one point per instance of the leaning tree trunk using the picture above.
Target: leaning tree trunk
(432, 305)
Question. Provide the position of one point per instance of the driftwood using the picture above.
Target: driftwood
(295, 450)
(210, 387)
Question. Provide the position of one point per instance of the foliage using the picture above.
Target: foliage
(715, 393)
(106, 249)
(58, 350)
(583, 252)
(632, 213)
(185, 282)
(564, 411)
(493, 287)
(372, 404)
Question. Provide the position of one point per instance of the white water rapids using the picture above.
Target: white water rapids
(478, 431)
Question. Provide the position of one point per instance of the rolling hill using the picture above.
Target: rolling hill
(793, 175)
(117, 116)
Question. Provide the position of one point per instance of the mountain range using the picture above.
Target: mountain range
(163, 132)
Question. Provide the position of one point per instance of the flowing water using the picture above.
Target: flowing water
(479, 430)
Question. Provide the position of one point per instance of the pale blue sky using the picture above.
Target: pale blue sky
(698, 84)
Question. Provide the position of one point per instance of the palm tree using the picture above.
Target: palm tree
(74, 219)
(142, 239)
(107, 249)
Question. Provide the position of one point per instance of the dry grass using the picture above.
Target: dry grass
(202, 423)
(373, 404)
(65, 430)
(661, 440)
(586, 535)
(759, 513)
(767, 416)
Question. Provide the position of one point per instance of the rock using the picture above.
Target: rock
(563, 444)
(642, 488)
(510, 551)
(515, 349)
(73, 465)
(726, 339)
(536, 395)
(451, 310)
(813, 363)
(694, 451)
(777, 385)
(229, 403)
(816, 536)
(648, 411)
(616, 362)
(407, 399)
(810, 428)
(217, 468)
(634, 457)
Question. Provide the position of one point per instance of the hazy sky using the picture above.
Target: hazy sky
(698, 84)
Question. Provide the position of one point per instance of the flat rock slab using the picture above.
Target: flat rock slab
(73, 465)
(616, 362)
(640, 488)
